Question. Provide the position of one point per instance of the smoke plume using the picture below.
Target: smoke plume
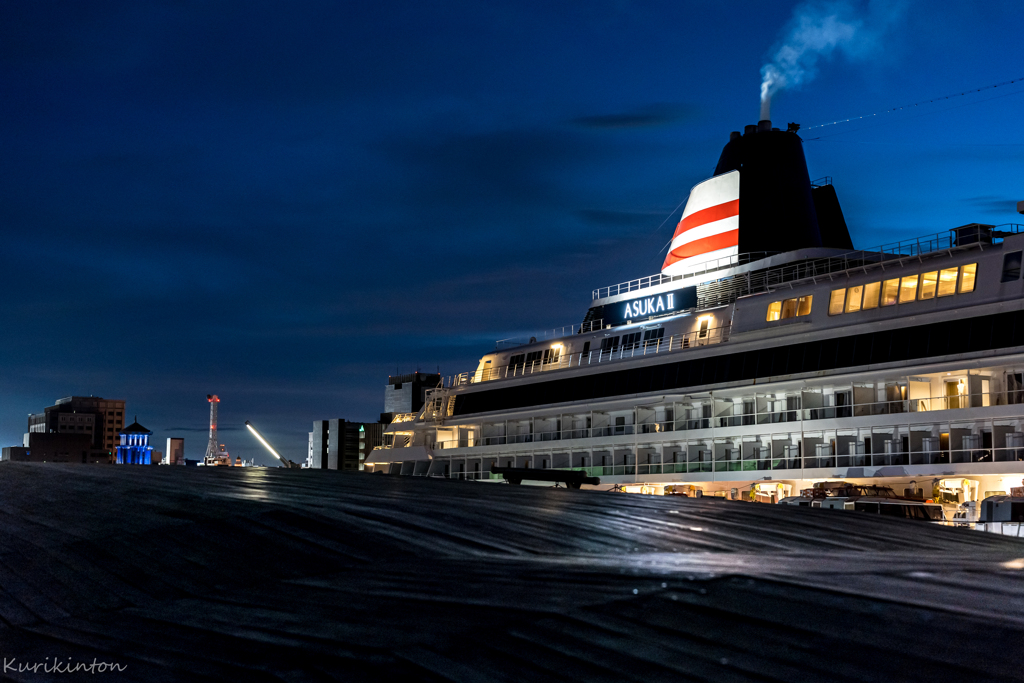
(819, 29)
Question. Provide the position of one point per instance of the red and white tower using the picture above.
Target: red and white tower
(213, 447)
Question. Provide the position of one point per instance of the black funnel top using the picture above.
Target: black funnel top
(777, 204)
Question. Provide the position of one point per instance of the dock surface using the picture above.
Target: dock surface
(251, 574)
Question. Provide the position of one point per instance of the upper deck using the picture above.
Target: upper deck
(748, 323)
(762, 271)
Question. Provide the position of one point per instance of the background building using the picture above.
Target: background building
(98, 418)
(134, 448)
(14, 453)
(406, 393)
(343, 445)
(56, 447)
(175, 453)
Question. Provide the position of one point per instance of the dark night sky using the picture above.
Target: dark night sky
(282, 203)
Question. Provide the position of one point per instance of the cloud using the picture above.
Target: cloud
(991, 204)
(466, 190)
(653, 115)
(621, 218)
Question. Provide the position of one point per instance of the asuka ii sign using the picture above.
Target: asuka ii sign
(643, 307)
(652, 305)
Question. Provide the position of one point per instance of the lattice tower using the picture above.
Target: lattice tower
(212, 447)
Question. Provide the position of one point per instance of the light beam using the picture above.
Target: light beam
(262, 440)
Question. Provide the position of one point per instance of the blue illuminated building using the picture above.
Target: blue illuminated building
(134, 448)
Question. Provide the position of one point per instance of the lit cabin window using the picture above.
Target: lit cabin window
(967, 274)
(929, 281)
(871, 295)
(890, 289)
(908, 289)
(947, 281)
(904, 290)
(853, 298)
(835, 303)
(789, 308)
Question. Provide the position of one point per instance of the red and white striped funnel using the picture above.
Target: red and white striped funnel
(710, 226)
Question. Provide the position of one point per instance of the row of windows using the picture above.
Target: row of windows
(903, 290)
(892, 345)
(623, 342)
(790, 308)
(632, 340)
(545, 356)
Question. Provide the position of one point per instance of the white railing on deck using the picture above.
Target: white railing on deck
(700, 269)
(917, 246)
(677, 342)
(556, 333)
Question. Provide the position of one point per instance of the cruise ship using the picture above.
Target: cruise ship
(768, 355)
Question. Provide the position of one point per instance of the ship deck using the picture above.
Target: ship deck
(255, 574)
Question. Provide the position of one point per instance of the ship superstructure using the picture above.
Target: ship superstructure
(767, 355)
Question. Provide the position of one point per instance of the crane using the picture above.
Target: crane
(285, 462)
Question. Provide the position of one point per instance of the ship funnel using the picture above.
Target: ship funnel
(760, 201)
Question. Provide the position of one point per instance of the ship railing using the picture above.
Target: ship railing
(957, 238)
(854, 260)
(931, 448)
(702, 461)
(454, 443)
(767, 410)
(1002, 528)
(731, 460)
(565, 361)
(700, 269)
(576, 433)
(554, 333)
